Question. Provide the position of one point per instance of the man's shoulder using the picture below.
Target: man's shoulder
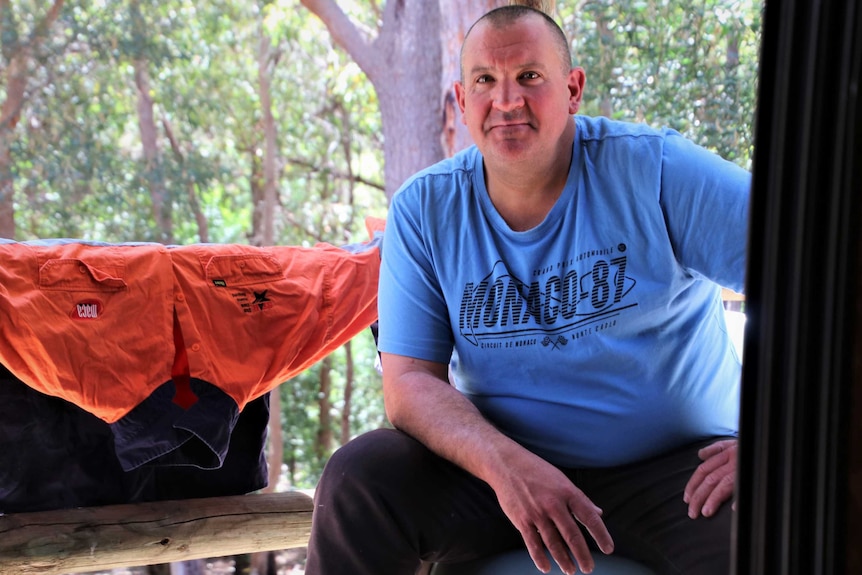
(599, 128)
(446, 173)
(461, 163)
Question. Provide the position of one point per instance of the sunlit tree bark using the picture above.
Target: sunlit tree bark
(18, 53)
(191, 190)
(404, 63)
(323, 444)
(153, 168)
(264, 230)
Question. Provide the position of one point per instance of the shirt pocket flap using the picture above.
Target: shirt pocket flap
(246, 269)
(98, 274)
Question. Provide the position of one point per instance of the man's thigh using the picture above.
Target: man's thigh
(393, 487)
(648, 519)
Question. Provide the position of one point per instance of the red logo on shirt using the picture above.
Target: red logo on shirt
(261, 301)
(87, 309)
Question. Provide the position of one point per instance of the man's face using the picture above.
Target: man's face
(517, 95)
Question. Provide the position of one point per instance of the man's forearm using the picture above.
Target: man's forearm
(421, 403)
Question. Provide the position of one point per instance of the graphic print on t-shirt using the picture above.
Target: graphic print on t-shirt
(563, 301)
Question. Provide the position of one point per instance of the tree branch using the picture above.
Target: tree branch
(16, 72)
(346, 34)
(200, 218)
(333, 173)
(45, 24)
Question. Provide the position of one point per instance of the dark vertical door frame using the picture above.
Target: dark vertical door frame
(800, 300)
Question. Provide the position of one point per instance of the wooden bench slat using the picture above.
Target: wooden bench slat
(128, 535)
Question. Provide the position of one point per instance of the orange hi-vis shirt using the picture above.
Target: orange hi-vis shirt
(104, 325)
(91, 324)
(252, 318)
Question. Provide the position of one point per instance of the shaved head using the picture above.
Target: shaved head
(505, 16)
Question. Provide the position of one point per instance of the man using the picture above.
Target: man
(565, 272)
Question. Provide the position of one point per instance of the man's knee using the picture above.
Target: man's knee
(375, 458)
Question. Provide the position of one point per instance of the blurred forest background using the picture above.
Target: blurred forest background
(286, 122)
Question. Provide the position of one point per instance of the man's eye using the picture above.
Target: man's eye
(483, 79)
(529, 75)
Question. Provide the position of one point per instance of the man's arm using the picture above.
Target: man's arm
(539, 499)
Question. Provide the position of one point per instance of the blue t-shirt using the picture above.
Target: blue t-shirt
(596, 338)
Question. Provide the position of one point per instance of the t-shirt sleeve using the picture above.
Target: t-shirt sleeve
(413, 317)
(705, 200)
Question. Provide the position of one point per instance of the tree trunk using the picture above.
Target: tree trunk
(263, 234)
(267, 61)
(606, 106)
(162, 204)
(20, 55)
(191, 191)
(7, 186)
(408, 84)
(348, 393)
(262, 562)
(404, 64)
(257, 184)
(191, 567)
(324, 429)
(10, 112)
(275, 442)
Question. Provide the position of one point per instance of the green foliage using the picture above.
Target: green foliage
(78, 164)
(301, 410)
(688, 66)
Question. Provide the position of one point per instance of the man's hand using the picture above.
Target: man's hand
(713, 481)
(546, 508)
(538, 498)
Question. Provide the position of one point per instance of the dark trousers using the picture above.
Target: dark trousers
(385, 503)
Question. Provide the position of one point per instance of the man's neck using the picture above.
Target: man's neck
(523, 195)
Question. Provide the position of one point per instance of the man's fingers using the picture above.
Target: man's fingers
(590, 516)
(705, 493)
(563, 539)
(716, 448)
(595, 526)
(536, 548)
(702, 476)
(563, 547)
(718, 458)
(719, 494)
(573, 544)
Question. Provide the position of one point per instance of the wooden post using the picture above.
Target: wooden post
(102, 538)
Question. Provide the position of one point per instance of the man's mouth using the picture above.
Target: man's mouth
(510, 129)
(510, 125)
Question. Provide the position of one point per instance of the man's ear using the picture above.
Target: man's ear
(577, 81)
(460, 95)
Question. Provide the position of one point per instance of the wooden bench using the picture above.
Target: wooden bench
(102, 538)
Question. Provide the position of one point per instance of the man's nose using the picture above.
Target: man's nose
(508, 96)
